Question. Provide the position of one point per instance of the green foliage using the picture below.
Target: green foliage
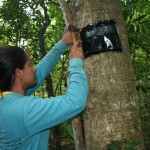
(69, 129)
(123, 145)
(137, 18)
(114, 145)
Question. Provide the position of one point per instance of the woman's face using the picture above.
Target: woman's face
(28, 74)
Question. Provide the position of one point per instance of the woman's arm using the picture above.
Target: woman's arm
(47, 64)
(40, 114)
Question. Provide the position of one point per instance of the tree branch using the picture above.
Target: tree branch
(76, 122)
(66, 11)
(42, 45)
(43, 29)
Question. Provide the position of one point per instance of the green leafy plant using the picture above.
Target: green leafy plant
(123, 145)
(114, 145)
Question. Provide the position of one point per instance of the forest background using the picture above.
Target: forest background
(37, 25)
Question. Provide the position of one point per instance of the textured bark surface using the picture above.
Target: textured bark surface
(78, 133)
(112, 110)
(76, 122)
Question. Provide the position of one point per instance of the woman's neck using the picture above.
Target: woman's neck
(18, 89)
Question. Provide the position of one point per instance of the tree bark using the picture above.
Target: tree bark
(76, 122)
(112, 111)
(78, 133)
(66, 11)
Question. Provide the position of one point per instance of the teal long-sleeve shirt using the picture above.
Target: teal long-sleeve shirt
(25, 121)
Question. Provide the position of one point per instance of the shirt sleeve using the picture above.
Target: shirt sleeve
(47, 64)
(41, 114)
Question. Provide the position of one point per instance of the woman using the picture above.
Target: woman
(25, 120)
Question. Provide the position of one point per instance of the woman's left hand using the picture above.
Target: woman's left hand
(67, 38)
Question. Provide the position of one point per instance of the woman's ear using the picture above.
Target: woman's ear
(19, 73)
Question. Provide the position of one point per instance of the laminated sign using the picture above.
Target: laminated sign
(100, 37)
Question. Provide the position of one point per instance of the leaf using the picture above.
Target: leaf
(130, 148)
(139, 18)
(114, 145)
(69, 129)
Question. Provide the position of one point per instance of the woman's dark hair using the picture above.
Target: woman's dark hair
(11, 58)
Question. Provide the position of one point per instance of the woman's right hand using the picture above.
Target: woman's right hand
(76, 51)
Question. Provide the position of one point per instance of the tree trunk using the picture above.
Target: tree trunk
(112, 112)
